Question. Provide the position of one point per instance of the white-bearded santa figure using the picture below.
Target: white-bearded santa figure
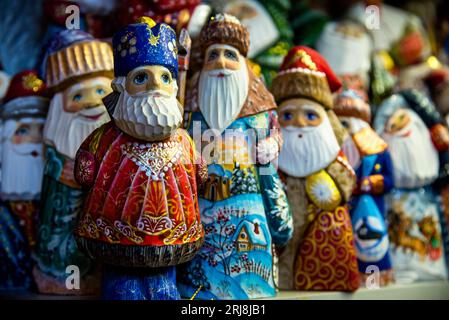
(23, 116)
(141, 173)
(243, 207)
(319, 180)
(418, 143)
(78, 70)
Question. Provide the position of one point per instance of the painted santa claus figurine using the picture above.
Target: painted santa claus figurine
(318, 178)
(141, 172)
(243, 207)
(418, 142)
(369, 156)
(22, 157)
(78, 72)
(23, 117)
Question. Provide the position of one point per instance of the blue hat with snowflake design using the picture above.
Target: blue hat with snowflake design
(145, 43)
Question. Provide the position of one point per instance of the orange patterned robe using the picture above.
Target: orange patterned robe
(142, 206)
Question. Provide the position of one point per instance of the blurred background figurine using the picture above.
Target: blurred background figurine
(319, 180)
(141, 173)
(370, 158)
(23, 116)
(243, 207)
(267, 48)
(410, 124)
(78, 72)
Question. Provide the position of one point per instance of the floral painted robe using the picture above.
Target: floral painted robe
(15, 259)
(141, 208)
(321, 254)
(56, 248)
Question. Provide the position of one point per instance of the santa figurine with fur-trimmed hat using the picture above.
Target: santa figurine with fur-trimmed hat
(318, 178)
(141, 172)
(419, 142)
(233, 117)
(369, 156)
(78, 71)
(23, 117)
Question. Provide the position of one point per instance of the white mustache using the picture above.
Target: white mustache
(298, 129)
(27, 148)
(214, 73)
(92, 111)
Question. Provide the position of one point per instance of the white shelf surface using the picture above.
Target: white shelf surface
(434, 290)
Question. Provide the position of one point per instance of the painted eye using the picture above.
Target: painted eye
(22, 131)
(311, 116)
(140, 79)
(100, 91)
(345, 124)
(213, 55)
(230, 55)
(165, 78)
(77, 97)
(287, 116)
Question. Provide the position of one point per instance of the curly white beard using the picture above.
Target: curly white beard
(315, 150)
(66, 131)
(148, 117)
(221, 99)
(415, 159)
(22, 172)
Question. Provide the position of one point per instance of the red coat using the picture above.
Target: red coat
(142, 206)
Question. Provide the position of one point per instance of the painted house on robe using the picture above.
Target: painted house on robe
(218, 184)
(249, 236)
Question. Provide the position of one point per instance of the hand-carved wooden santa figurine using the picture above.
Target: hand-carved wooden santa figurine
(78, 72)
(141, 213)
(23, 165)
(369, 156)
(409, 123)
(243, 206)
(319, 180)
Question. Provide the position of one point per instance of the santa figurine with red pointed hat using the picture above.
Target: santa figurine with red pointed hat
(319, 180)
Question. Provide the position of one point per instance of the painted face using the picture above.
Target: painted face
(86, 94)
(398, 121)
(150, 78)
(346, 123)
(28, 133)
(221, 57)
(301, 113)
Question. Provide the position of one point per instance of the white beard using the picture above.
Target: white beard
(349, 147)
(22, 173)
(66, 131)
(318, 147)
(351, 152)
(148, 117)
(221, 99)
(415, 159)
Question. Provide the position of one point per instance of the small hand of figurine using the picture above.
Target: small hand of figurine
(365, 185)
(267, 150)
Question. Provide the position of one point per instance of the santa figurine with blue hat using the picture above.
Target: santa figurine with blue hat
(141, 172)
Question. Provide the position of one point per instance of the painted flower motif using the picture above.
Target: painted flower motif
(32, 82)
(173, 48)
(322, 191)
(127, 46)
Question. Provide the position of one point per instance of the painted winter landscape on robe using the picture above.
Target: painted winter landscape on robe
(236, 255)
